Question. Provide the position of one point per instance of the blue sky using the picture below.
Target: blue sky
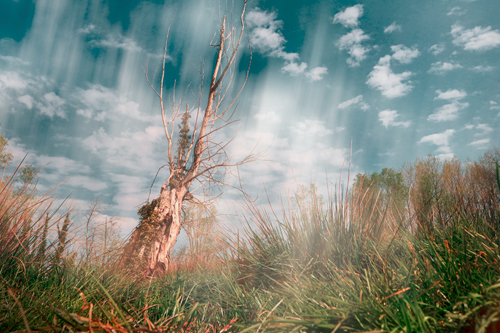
(399, 79)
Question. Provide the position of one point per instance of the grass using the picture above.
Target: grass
(346, 266)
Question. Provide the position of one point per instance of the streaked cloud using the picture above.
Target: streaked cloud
(388, 118)
(458, 11)
(442, 140)
(356, 101)
(482, 69)
(87, 29)
(118, 42)
(494, 105)
(447, 112)
(12, 59)
(437, 48)
(480, 144)
(483, 129)
(392, 28)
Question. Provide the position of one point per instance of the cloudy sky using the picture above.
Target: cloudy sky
(399, 80)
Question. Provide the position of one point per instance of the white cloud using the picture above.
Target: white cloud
(32, 91)
(294, 68)
(87, 29)
(440, 67)
(14, 60)
(59, 164)
(403, 54)
(132, 191)
(267, 116)
(442, 140)
(137, 151)
(51, 104)
(258, 18)
(317, 73)
(356, 36)
(456, 11)
(451, 94)
(484, 129)
(118, 42)
(352, 43)
(266, 37)
(388, 118)
(102, 103)
(392, 28)
(86, 182)
(26, 100)
(305, 154)
(476, 39)
(447, 112)
(356, 101)
(437, 48)
(12, 80)
(482, 69)
(58, 170)
(349, 17)
(494, 105)
(311, 127)
(384, 79)
(53, 168)
(480, 144)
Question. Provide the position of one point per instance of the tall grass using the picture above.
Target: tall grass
(346, 265)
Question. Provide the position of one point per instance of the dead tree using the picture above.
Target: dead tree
(194, 157)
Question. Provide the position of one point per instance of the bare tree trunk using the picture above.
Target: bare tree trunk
(153, 240)
(169, 213)
(198, 158)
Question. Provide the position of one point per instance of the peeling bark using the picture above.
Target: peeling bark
(153, 240)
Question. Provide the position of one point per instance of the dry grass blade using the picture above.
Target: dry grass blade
(23, 314)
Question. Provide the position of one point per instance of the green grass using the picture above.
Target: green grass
(317, 268)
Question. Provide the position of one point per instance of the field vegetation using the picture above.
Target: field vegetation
(410, 250)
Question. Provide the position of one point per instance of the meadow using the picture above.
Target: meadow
(413, 250)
